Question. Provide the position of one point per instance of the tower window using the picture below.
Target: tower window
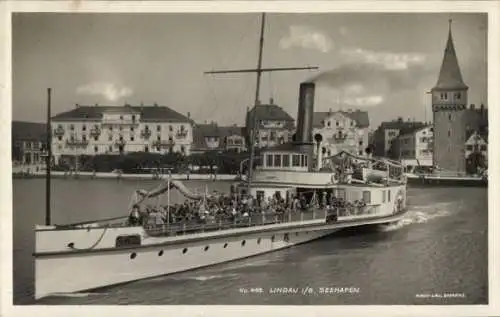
(449, 117)
(449, 133)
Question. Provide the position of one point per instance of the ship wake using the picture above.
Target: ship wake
(419, 215)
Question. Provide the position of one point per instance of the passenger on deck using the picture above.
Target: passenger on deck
(134, 217)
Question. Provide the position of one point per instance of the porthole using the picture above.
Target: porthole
(225, 245)
(133, 255)
(184, 251)
(206, 248)
(243, 243)
(160, 253)
(258, 241)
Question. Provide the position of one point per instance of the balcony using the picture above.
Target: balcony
(120, 142)
(77, 143)
(95, 132)
(59, 131)
(181, 134)
(163, 143)
(146, 134)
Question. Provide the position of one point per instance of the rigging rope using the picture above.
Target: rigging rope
(72, 245)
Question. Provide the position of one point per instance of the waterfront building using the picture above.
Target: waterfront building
(28, 143)
(341, 131)
(274, 125)
(414, 146)
(454, 123)
(93, 130)
(212, 137)
(387, 133)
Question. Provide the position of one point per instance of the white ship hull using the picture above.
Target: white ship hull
(68, 273)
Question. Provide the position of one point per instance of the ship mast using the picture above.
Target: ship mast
(259, 70)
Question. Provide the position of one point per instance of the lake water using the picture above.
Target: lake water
(440, 247)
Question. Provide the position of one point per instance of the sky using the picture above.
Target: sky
(381, 63)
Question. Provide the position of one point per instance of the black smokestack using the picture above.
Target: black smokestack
(305, 113)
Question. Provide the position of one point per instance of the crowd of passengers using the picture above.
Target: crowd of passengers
(233, 207)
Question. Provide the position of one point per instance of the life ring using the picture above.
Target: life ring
(335, 179)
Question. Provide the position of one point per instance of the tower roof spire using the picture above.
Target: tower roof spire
(450, 76)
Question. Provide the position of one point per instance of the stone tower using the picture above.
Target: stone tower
(449, 103)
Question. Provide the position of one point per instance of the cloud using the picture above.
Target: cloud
(108, 90)
(306, 37)
(365, 101)
(388, 60)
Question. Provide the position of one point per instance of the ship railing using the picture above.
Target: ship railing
(176, 229)
(254, 220)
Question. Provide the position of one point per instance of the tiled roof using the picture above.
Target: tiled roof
(361, 117)
(28, 131)
(402, 125)
(270, 112)
(202, 131)
(148, 113)
(482, 133)
(450, 76)
(412, 128)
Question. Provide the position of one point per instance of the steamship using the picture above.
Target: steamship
(87, 256)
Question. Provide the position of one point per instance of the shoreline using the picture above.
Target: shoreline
(111, 175)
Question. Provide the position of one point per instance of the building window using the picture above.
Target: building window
(132, 129)
(158, 138)
(96, 149)
(84, 138)
(389, 195)
(110, 137)
(286, 160)
(449, 133)
(158, 128)
(146, 149)
(383, 196)
(121, 117)
(60, 138)
(269, 160)
(131, 138)
(483, 147)
(171, 128)
(121, 138)
(110, 148)
(72, 127)
(96, 138)
(459, 95)
(367, 196)
(183, 149)
(469, 147)
(133, 117)
(296, 160)
(84, 128)
(449, 117)
(111, 128)
(277, 160)
(121, 128)
(360, 152)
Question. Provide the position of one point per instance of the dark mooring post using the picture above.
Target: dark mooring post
(48, 160)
